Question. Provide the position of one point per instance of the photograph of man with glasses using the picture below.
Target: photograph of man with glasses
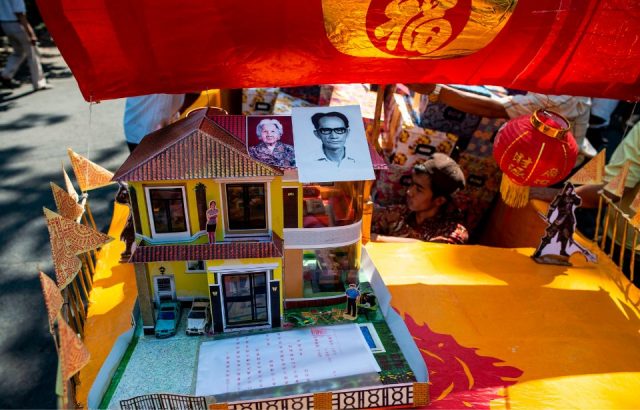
(332, 128)
(338, 150)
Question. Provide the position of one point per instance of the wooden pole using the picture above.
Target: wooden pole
(84, 219)
(632, 264)
(85, 291)
(606, 225)
(86, 277)
(376, 119)
(614, 235)
(623, 244)
(88, 264)
(367, 212)
(78, 299)
(595, 235)
(367, 203)
(90, 215)
(72, 312)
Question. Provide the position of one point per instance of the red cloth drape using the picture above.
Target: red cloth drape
(118, 48)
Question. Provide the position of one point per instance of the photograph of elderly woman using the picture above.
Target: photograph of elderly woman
(270, 139)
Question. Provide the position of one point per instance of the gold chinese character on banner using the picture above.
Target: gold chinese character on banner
(420, 28)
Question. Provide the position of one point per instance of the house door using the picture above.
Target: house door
(290, 207)
(245, 299)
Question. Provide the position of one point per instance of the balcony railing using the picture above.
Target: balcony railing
(395, 395)
(616, 227)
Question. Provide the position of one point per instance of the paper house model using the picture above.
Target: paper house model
(279, 243)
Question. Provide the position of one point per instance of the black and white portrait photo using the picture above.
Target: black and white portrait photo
(331, 144)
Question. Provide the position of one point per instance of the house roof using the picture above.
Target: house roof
(216, 251)
(236, 125)
(194, 147)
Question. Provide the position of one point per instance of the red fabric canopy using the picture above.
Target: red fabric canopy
(119, 48)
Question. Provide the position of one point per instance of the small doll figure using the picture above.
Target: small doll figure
(128, 234)
(212, 221)
(353, 294)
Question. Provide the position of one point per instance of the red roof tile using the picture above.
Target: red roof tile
(216, 251)
(235, 124)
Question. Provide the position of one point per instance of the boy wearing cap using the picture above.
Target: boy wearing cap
(424, 217)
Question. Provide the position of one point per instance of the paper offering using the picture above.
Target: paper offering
(283, 358)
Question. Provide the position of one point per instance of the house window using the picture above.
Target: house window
(246, 207)
(168, 210)
(195, 266)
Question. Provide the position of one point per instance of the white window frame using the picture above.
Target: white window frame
(203, 270)
(225, 216)
(171, 235)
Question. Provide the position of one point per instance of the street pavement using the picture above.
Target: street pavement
(36, 128)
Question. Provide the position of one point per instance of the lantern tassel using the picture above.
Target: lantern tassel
(514, 195)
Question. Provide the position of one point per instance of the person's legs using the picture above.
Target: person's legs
(211, 233)
(35, 67)
(351, 307)
(19, 43)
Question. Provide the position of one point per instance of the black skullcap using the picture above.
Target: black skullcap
(445, 174)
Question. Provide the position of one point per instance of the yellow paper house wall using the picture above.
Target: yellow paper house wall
(172, 176)
(274, 237)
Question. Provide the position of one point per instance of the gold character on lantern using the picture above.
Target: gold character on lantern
(542, 182)
(522, 160)
(516, 170)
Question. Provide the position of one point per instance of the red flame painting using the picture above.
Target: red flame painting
(458, 377)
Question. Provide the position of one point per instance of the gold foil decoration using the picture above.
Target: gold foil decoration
(52, 299)
(69, 185)
(616, 185)
(592, 172)
(66, 205)
(73, 354)
(69, 239)
(89, 174)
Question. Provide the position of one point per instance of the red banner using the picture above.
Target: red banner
(119, 48)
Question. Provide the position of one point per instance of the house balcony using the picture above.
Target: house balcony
(268, 247)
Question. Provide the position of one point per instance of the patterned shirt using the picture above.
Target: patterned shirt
(281, 156)
(212, 216)
(399, 221)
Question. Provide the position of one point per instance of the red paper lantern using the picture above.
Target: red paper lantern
(536, 150)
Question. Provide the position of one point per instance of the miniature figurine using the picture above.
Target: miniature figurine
(128, 234)
(212, 221)
(353, 295)
(557, 244)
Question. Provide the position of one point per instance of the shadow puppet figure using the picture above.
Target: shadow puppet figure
(557, 244)
(128, 234)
